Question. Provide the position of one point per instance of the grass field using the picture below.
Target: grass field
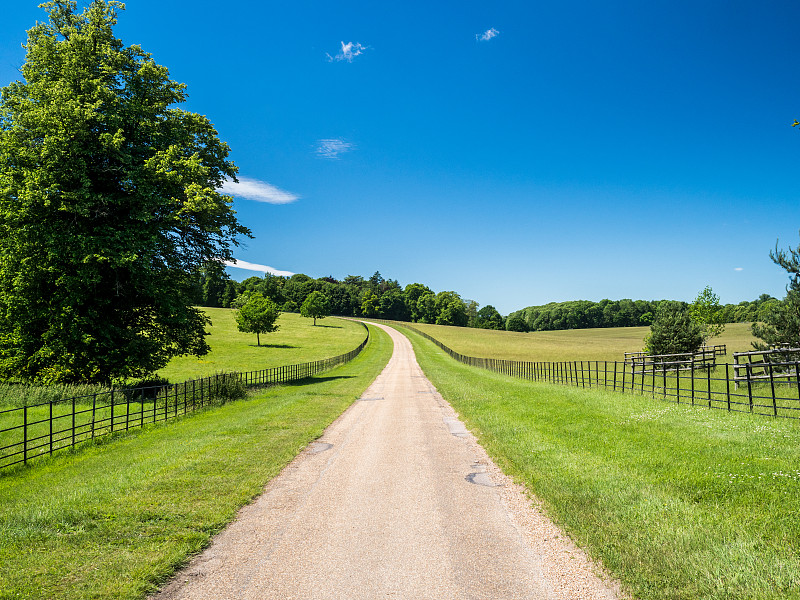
(296, 341)
(574, 344)
(115, 520)
(677, 502)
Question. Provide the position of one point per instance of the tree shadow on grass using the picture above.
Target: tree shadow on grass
(284, 346)
(329, 326)
(318, 379)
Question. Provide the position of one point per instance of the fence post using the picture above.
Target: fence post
(127, 411)
(25, 434)
(623, 377)
(692, 366)
(653, 380)
(615, 376)
(728, 384)
(590, 371)
(797, 378)
(73, 421)
(641, 387)
(749, 388)
(112, 411)
(772, 386)
(51, 427)
(94, 407)
(708, 383)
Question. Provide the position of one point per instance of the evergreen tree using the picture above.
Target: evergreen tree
(780, 321)
(673, 331)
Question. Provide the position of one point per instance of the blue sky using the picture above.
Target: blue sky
(579, 150)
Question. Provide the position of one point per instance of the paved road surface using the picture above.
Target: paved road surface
(395, 500)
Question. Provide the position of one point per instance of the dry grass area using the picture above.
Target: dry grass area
(574, 344)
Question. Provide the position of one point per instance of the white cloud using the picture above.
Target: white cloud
(248, 266)
(332, 148)
(260, 191)
(487, 35)
(738, 269)
(349, 51)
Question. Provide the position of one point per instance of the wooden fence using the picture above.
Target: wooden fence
(777, 394)
(39, 430)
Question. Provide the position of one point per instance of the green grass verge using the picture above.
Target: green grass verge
(297, 341)
(574, 344)
(677, 502)
(116, 521)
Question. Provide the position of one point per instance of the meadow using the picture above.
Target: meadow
(115, 519)
(677, 502)
(572, 344)
(296, 341)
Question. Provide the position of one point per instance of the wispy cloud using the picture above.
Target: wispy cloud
(332, 148)
(260, 191)
(487, 35)
(738, 269)
(248, 266)
(348, 52)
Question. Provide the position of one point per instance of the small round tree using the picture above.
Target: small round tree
(257, 315)
(315, 306)
(673, 331)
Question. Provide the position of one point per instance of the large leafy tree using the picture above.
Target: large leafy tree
(707, 312)
(108, 204)
(489, 318)
(315, 306)
(257, 314)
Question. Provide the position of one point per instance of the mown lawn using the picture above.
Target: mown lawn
(574, 344)
(115, 520)
(677, 502)
(296, 341)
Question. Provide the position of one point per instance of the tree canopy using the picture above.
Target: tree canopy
(707, 313)
(257, 315)
(108, 206)
(315, 306)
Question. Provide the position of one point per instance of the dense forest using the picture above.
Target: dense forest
(378, 297)
(585, 314)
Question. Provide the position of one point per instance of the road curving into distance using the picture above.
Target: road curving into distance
(395, 500)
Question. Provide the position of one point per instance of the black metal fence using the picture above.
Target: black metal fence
(41, 429)
(774, 391)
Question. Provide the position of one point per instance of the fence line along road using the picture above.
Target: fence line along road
(773, 391)
(42, 429)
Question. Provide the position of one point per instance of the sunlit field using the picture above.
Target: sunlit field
(574, 344)
(296, 341)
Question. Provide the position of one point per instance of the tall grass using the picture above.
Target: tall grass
(25, 394)
(677, 502)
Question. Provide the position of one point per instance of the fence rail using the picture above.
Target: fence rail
(777, 394)
(39, 430)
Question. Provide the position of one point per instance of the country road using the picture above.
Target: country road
(395, 500)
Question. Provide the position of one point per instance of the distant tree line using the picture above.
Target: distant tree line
(585, 314)
(354, 296)
(382, 298)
